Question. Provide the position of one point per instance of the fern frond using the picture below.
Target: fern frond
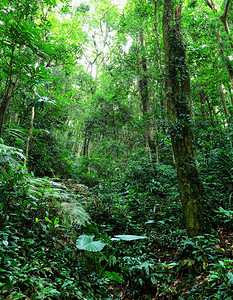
(15, 133)
(74, 213)
(10, 155)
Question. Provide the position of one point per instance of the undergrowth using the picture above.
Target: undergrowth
(123, 237)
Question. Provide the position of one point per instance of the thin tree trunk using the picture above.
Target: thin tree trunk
(230, 94)
(9, 88)
(144, 93)
(203, 106)
(86, 146)
(210, 108)
(157, 141)
(177, 88)
(204, 114)
(223, 18)
(159, 60)
(16, 117)
(79, 149)
(29, 136)
(159, 52)
(224, 104)
(5, 103)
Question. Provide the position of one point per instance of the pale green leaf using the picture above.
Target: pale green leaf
(85, 242)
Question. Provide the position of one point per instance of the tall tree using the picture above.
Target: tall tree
(223, 18)
(21, 47)
(178, 93)
(144, 93)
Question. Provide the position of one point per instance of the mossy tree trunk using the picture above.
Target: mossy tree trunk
(177, 87)
(8, 90)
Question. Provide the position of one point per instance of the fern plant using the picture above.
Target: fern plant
(42, 190)
(10, 156)
(47, 188)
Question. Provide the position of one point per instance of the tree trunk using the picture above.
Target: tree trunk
(224, 104)
(160, 65)
(5, 103)
(230, 94)
(203, 106)
(8, 90)
(204, 114)
(223, 18)
(177, 86)
(86, 147)
(144, 93)
(29, 136)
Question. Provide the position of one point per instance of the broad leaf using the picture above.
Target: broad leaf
(85, 242)
(128, 237)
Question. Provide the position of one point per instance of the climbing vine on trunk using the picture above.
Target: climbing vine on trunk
(178, 93)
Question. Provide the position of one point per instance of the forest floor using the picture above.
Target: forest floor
(40, 257)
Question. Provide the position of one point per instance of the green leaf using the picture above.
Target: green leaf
(113, 276)
(85, 242)
(17, 296)
(128, 237)
(56, 221)
(5, 243)
(3, 75)
(150, 222)
(221, 263)
(189, 262)
(48, 220)
(230, 277)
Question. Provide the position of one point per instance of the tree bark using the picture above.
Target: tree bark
(29, 136)
(230, 94)
(7, 95)
(144, 93)
(177, 86)
(160, 64)
(4, 105)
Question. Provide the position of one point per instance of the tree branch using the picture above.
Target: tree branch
(209, 4)
(224, 15)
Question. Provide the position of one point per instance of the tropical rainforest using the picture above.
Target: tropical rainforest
(116, 149)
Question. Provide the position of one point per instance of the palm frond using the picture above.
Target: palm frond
(15, 133)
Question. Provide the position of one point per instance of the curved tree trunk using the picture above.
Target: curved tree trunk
(177, 86)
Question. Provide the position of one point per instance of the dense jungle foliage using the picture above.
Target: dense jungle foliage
(116, 149)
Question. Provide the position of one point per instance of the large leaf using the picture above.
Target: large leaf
(85, 242)
(128, 237)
